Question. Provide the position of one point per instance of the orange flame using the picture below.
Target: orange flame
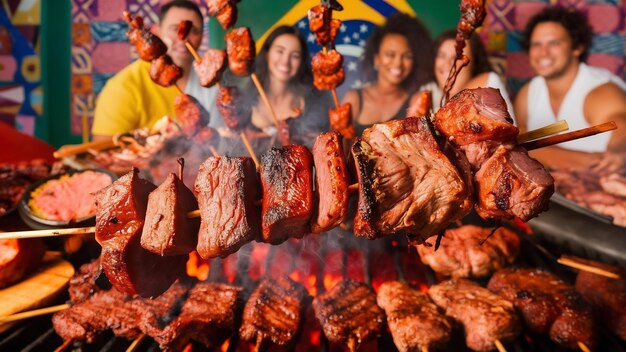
(197, 267)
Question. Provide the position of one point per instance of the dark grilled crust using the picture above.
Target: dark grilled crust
(211, 67)
(364, 221)
(83, 283)
(273, 312)
(349, 314)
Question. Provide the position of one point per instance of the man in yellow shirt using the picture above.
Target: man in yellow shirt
(131, 100)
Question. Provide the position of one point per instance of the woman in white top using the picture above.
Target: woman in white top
(479, 72)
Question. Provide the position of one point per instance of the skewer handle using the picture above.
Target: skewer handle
(583, 347)
(335, 97)
(570, 136)
(246, 142)
(589, 268)
(69, 150)
(33, 313)
(193, 52)
(499, 346)
(266, 101)
(47, 233)
(136, 343)
(545, 131)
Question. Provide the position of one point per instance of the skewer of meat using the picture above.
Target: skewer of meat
(209, 67)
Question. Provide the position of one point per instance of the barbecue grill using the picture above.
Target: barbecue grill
(317, 261)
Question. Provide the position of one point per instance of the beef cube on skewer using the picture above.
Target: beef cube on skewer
(287, 181)
(273, 312)
(164, 71)
(329, 82)
(331, 182)
(88, 280)
(224, 11)
(341, 120)
(548, 305)
(149, 46)
(327, 63)
(485, 316)
(406, 182)
(227, 190)
(414, 320)
(191, 116)
(349, 314)
(240, 50)
(168, 230)
(120, 213)
(229, 104)
(211, 67)
(322, 24)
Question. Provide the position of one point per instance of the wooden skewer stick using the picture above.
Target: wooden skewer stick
(570, 136)
(33, 313)
(64, 346)
(193, 51)
(333, 91)
(246, 142)
(136, 343)
(499, 346)
(583, 347)
(424, 349)
(213, 151)
(266, 101)
(47, 233)
(585, 267)
(545, 131)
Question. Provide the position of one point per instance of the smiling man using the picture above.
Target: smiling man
(131, 100)
(565, 88)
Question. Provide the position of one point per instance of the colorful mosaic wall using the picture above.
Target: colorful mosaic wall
(20, 70)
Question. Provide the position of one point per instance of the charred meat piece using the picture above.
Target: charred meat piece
(476, 115)
(512, 184)
(190, 114)
(164, 71)
(548, 305)
(211, 67)
(349, 314)
(241, 51)
(225, 11)
(121, 210)
(606, 294)
(414, 320)
(327, 63)
(273, 312)
(148, 45)
(485, 316)
(406, 182)
(18, 258)
(227, 190)
(167, 229)
(341, 120)
(207, 317)
(85, 282)
(472, 16)
(472, 251)
(322, 24)
(184, 27)
(287, 181)
(229, 104)
(331, 182)
(329, 82)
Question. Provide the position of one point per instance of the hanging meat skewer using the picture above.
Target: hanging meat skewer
(224, 11)
(211, 65)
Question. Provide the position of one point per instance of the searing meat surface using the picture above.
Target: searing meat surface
(322, 24)
(414, 320)
(512, 184)
(241, 51)
(227, 190)
(148, 45)
(164, 71)
(273, 312)
(84, 283)
(211, 67)
(329, 82)
(349, 314)
(463, 254)
(327, 63)
(341, 120)
(190, 114)
(548, 305)
(406, 183)
(229, 104)
(287, 181)
(225, 11)
(485, 316)
(331, 182)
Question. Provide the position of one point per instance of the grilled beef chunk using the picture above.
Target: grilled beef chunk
(227, 190)
(149, 46)
(331, 182)
(406, 183)
(211, 67)
(485, 316)
(548, 305)
(414, 321)
(475, 115)
(327, 63)
(241, 51)
(287, 180)
(512, 184)
(168, 230)
(472, 251)
(606, 294)
(224, 11)
(322, 24)
(273, 312)
(164, 71)
(329, 82)
(87, 281)
(229, 104)
(348, 314)
(341, 120)
(479, 152)
(18, 258)
(191, 116)
(207, 317)
(121, 210)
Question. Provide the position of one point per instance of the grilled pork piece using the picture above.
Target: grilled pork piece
(348, 314)
(121, 210)
(18, 258)
(327, 63)
(462, 252)
(512, 184)
(485, 317)
(191, 116)
(211, 67)
(168, 230)
(148, 45)
(207, 316)
(229, 103)
(331, 182)
(341, 120)
(273, 312)
(476, 115)
(227, 189)
(322, 24)
(240, 50)
(287, 180)
(406, 183)
(224, 11)
(414, 321)
(164, 71)
(606, 294)
(548, 305)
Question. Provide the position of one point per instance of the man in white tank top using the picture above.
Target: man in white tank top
(565, 88)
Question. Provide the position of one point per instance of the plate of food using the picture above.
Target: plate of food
(65, 199)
